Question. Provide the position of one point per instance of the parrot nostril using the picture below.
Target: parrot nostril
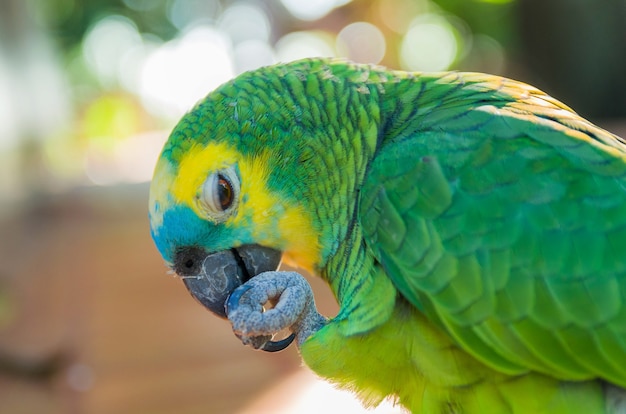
(188, 261)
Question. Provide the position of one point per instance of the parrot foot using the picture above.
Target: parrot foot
(294, 310)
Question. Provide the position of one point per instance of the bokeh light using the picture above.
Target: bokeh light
(299, 45)
(252, 54)
(245, 21)
(182, 13)
(180, 72)
(430, 44)
(102, 51)
(361, 42)
(312, 9)
(248, 27)
(396, 15)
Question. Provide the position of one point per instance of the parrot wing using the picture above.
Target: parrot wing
(503, 219)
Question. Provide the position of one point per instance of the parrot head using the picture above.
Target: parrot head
(226, 200)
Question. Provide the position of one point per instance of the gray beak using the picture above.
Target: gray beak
(212, 277)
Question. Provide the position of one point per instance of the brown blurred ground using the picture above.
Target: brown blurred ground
(97, 326)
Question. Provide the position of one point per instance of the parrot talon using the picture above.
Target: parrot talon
(266, 345)
(274, 346)
(294, 310)
(232, 303)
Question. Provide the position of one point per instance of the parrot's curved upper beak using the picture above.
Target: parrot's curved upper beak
(212, 277)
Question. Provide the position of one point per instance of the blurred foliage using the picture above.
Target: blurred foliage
(542, 40)
(68, 20)
(494, 18)
(107, 71)
(110, 118)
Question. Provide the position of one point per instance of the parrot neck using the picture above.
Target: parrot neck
(337, 160)
(330, 152)
(325, 129)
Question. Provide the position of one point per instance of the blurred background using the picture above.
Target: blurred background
(90, 322)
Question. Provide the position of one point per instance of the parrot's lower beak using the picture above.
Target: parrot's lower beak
(212, 277)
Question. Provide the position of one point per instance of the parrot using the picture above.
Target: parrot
(471, 228)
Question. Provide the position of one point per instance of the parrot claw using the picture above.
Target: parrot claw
(263, 342)
(275, 346)
(234, 298)
(294, 310)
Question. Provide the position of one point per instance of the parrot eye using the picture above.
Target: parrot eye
(224, 192)
(219, 194)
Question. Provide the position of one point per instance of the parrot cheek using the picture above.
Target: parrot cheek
(212, 277)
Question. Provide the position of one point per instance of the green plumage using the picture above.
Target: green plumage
(498, 213)
(471, 227)
(528, 267)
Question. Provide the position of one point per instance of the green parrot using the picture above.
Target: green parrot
(471, 227)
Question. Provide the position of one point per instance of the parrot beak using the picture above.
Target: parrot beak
(212, 277)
